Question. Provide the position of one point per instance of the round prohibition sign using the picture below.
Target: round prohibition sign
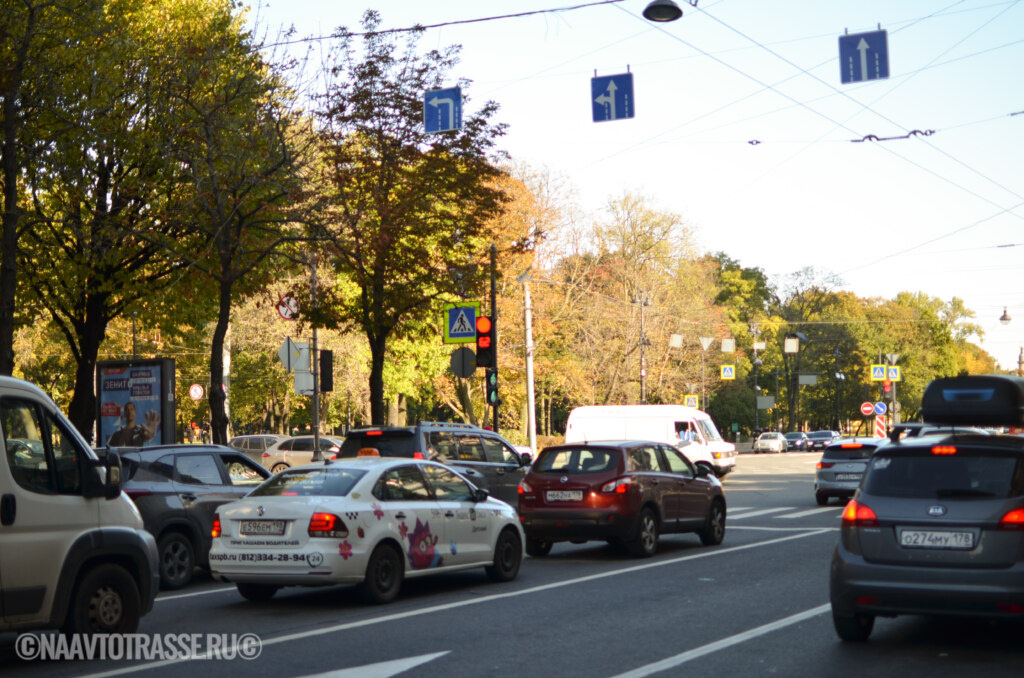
(288, 307)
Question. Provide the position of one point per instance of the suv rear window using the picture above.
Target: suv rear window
(841, 453)
(576, 460)
(331, 481)
(927, 475)
(388, 443)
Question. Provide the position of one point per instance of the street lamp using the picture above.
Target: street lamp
(791, 345)
(755, 331)
(1005, 317)
(890, 359)
(705, 342)
(839, 376)
(642, 300)
(662, 11)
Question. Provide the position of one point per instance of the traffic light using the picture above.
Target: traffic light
(491, 382)
(484, 342)
(326, 371)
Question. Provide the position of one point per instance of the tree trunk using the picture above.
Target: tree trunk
(89, 335)
(11, 216)
(218, 412)
(378, 346)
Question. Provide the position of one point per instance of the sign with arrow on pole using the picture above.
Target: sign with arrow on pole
(442, 110)
(864, 56)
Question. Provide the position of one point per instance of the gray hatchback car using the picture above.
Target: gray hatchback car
(839, 472)
(937, 527)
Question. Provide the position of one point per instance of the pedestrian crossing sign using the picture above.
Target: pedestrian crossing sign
(728, 371)
(894, 372)
(691, 400)
(878, 372)
(459, 321)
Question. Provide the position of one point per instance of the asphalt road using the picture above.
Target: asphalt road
(756, 605)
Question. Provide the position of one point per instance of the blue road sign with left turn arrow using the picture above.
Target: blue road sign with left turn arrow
(864, 56)
(442, 110)
(612, 97)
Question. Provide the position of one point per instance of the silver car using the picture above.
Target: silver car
(841, 468)
(937, 527)
(770, 442)
(297, 451)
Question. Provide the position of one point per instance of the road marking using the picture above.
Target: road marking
(682, 658)
(302, 635)
(380, 669)
(777, 529)
(810, 512)
(175, 596)
(762, 512)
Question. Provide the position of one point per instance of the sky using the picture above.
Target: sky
(743, 127)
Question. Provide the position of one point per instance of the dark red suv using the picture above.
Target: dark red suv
(623, 492)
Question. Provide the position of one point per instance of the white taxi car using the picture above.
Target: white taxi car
(370, 521)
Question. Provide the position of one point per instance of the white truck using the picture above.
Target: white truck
(73, 552)
(690, 430)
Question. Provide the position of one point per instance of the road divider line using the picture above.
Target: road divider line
(810, 512)
(762, 512)
(696, 653)
(397, 616)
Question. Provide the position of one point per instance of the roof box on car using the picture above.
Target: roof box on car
(991, 400)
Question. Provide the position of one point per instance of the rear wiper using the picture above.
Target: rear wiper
(963, 493)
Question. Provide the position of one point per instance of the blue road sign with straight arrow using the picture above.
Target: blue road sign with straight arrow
(442, 110)
(612, 97)
(864, 56)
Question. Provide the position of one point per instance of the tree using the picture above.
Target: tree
(408, 214)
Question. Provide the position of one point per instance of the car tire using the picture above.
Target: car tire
(106, 600)
(384, 575)
(257, 593)
(537, 548)
(821, 498)
(713, 531)
(854, 629)
(278, 467)
(645, 541)
(508, 555)
(177, 560)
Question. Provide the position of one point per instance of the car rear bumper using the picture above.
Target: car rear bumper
(859, 587)
(836, 488)
(576, 525)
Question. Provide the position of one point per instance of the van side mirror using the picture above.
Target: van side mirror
(106, 483)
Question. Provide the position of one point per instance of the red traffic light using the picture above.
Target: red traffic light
(483, 325)
(484, 342)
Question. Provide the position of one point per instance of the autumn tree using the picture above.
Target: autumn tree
(408, 214)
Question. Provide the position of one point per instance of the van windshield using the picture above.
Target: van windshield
(708, 430)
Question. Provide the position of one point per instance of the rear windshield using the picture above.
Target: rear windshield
(331, 481)
(840, 453)
(941, 476)
(576, 460)
(388, 443)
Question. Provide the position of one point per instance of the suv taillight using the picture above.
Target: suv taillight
(215, 532)
(327, 525)
(524, 487)
(859, 515)
(618, 486)
(1013, 520)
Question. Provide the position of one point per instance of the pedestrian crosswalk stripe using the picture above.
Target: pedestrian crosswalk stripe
(762, 512)
(810, 512)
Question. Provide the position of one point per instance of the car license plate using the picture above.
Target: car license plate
(847, 476)
(564, 495)
(935, 539)
(273, 527)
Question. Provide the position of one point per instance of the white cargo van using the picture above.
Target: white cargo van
(691, 430)
(73, 551)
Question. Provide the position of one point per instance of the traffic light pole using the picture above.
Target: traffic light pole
(494, 319)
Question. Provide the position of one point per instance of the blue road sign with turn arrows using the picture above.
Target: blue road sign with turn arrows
(442, 110)
(864, 56)
(612, 97)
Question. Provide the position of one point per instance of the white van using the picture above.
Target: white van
(73, 551)
(691, 430)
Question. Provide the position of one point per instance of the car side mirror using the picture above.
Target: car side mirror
(525, 458)
(481, 495)
(702, 471)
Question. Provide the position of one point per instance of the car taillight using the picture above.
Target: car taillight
(524, 487)
(859, 515)
(944, 449)
(852, 446)
(825, 464)
(266, 454)
(418, 455)
(327, 525)
(618, 486)
(1013, 520)
(215, 532)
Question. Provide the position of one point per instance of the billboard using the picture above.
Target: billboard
(136, 402)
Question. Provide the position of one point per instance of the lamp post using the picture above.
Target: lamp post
(791, 345)
(839, 376)
(705, 342)
(755, 330)
(531, 409)
(890, 359)
(643, 301)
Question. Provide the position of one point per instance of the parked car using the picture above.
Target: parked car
(75, 556)
(177, 489)
(483, 457)
(819, 440)
(796, 441)
(624, 492)
(937, 526)
(770, 442)
(297, 451)
(690, 430)
(254, 445)
(841, 468)
(371, 521)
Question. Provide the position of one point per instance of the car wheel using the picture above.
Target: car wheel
(821, 498)
(713, 531)
(384, 575)
(538, 548)
(508, 554)
(278, 467)
(106, 600)
(645, 541)
(177, 560)
(257, 593)
(855, 629)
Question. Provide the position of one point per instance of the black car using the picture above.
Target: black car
(177, 489)
(796, 441)
(819, 440)
(483, 457)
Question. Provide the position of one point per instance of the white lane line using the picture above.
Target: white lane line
(381, 669)
(175, 596)
(811, 512)
(778, 529)
(302, 635)
(682, 658)
(762, 512)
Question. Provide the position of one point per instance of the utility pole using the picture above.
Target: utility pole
(642, 300)
(316, 365)
(494, 321)
(531, 407)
